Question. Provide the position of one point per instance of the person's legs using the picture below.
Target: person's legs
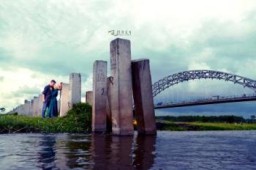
(44, 109)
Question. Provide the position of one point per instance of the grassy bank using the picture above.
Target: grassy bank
(201, 126)
(77, 120)
(201, 123)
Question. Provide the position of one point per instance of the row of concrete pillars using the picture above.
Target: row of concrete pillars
(69, 95)
(125, 96)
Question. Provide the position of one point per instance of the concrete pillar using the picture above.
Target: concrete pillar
(88, 97)
(143, 98)
(75, 88)
(26, 107)
(121, 89)
(64, 99)
(58, 107)
(109, 114)
(99, 114)
(31, 108)
(18, 109)
(40, 104)
(35, 106)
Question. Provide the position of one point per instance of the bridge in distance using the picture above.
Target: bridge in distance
(161, 85)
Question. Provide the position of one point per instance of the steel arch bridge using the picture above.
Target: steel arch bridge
(177, 78)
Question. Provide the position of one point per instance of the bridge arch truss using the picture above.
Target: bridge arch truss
(177, 78)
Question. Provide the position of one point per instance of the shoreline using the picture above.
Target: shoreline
(78, 120)
(203, 126)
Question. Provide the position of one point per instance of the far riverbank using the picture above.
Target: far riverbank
(78, 120)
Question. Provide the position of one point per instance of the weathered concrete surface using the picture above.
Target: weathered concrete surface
(109, 114)
(18, 110)
(35, 107)
(75, 88)
(143, 98)
(65, 104)
(89, 97)
(31, 108)
(26, 107)
(99, 96)
(121, 89)
(40, 105)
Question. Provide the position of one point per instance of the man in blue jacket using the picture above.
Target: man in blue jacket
(47, 96)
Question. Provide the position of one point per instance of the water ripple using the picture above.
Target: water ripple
(167, 150)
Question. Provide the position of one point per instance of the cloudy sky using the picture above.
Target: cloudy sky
(45, 39)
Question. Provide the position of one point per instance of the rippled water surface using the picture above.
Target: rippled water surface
(168, 150)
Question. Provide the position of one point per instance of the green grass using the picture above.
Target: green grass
(202, 126)
(224, 126)
(78, 120)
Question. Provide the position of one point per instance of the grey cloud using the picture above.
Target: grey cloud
(60, 37)
(27, 91)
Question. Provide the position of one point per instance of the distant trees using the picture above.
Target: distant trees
(253, 118)
(227, 119)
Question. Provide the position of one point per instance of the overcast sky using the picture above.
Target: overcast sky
(45, 39)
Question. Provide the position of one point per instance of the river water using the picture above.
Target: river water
(168, 150)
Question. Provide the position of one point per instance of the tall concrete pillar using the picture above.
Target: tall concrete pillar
(99, 114)
(18, 109)
(75, 88)
(40, 104)
(35, 106)
(26, 107)
(65, 104)
(143, 98)
(109, 114)
(121, 89)
(89, 97)
(31, 108)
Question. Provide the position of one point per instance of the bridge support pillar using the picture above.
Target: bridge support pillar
(121, 87)
(99, 98)
(143, 98)
(64, 100)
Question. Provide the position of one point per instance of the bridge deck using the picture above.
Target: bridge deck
(207, 102)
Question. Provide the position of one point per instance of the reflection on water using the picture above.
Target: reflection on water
(47, 151)
(113, 152)
(167, 150)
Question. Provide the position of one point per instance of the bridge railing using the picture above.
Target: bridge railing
(244, 97)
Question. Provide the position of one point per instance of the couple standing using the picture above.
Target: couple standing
(50, 93)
